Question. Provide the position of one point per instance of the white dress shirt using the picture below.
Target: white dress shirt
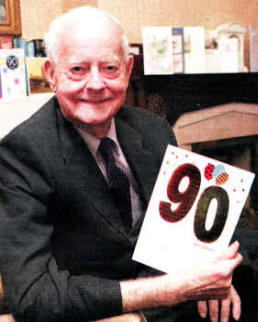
(120, 160)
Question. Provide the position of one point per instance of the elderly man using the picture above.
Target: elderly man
(75, 180)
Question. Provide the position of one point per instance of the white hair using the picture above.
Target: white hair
(73, 16)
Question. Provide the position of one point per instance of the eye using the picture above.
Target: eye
(77, 72)
(111, 68)
(77, 69)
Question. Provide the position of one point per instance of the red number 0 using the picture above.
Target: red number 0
(185, 198)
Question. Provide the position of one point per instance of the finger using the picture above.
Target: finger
(214, 310)
(236, 303)
(225, 309)
(238, 259)
(202, 308)
(231, 251)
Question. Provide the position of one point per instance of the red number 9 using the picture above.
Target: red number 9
(185, 198)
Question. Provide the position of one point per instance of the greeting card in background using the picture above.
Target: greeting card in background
(196, 204)
(157, 49)
(13, 73)
(194, 52)
(36, 77)
(178, 50)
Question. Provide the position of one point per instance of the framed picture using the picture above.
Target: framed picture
(10, 19)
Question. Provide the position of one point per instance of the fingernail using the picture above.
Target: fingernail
(236, 316)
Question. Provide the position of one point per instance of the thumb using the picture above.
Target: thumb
(230, 252)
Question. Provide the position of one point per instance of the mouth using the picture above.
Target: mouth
(93, 101)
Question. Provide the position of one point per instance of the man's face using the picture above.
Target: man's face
(91, 76)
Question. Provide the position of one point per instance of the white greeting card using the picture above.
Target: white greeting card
(13, 73)
(196, 203)
(157, 50)
(194, 49)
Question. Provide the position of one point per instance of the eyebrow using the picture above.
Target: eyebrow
(102, 60)
(110, 60)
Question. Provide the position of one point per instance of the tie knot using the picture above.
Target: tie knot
(106, 148)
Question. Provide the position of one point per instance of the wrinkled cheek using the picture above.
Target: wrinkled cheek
(122, 96)
(67, 105)
(68, 89)
(120, 89)
(66, 110)
(64, 101)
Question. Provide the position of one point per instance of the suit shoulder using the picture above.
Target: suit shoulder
(140, 115)
(153, 128)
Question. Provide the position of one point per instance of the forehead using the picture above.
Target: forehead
(83, 42)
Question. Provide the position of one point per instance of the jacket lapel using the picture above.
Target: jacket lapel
(143, 162)
(80, 165)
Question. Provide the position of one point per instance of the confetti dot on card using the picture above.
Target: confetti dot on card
(243, 190)
(234, 190)
(176, 156)
(186, 155)
(164, 172)
(242, 180)
(238, 201)
(167, 162)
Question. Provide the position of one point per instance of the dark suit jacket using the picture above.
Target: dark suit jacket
(63, 246)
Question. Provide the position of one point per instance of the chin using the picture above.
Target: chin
(88, 123)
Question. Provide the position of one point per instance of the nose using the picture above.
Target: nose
(94, 80)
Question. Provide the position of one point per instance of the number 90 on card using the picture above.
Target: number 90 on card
(186, 198)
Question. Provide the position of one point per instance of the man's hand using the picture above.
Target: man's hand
(233, 298)
(204, 276)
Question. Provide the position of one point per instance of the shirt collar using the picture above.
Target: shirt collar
(93, 142)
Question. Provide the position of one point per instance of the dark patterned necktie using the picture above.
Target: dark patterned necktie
(117, 181)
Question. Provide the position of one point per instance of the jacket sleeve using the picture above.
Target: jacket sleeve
(35, 288)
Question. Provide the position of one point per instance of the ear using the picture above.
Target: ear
(49, 71)
(129, 66)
